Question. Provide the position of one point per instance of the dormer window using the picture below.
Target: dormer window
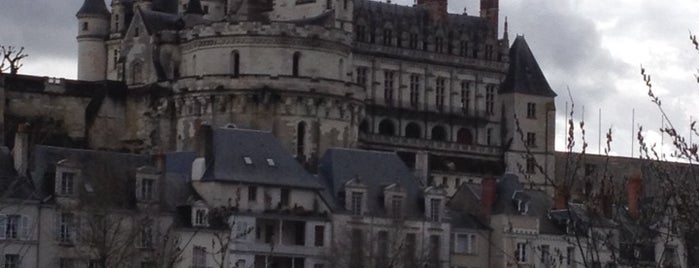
(247, 160)
(397, 206)
(270, 162)
(435, 205)
(356, 203)
(66, 184)
(522, 207)
(147, 188)
(200, 217)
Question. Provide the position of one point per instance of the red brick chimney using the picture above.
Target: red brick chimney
(437, 9)
(634, 187)
(560, 199)
(488, 187)
(490, 10)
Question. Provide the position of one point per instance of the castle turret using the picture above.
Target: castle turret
(93, 29)
(528, 102)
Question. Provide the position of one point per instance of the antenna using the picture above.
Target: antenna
(599, 132)
(633, 128)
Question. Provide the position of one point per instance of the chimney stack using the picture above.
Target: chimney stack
(560, 199)
(488, 188)
(20, 152)
(634, 186)
(490, 10)
(436, 8)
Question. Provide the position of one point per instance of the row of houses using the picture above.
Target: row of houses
(241, 200)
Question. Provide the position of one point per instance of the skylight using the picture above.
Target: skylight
(270, 162)
(248, 160)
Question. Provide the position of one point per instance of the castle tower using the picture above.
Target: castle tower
(527, 96)
(93, 29)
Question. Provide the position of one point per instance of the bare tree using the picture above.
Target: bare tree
(11, 59)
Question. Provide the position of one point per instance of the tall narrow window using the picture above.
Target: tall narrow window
(328, 4)
(362, 76)
(296, 63)
(319, 240)
(397, 206)
(434, 251)
(115, 58)
(147, 189)
(439, 93)
(116, 22)
(301, 140)
(136, 32)
(414, 90)
(465, 96)
(341, 70)
(67, 183)
(360, 33)
(413, 40)
(235, 63)
(387, 37)
(382, 249)
(388, 86)
(489, 52)
(531, 110)
(11, 261)
(194, 65)
(531, 165)
(490, 99)
(285, 197)
(435, 205)
(199, 257)
(439, 45)
(521, 253)
(463, 48)
(137, 73)
(356, 203)
(531, 139)
(489, 136)
(65, 228)
(85, 26)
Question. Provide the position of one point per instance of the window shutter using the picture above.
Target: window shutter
(24, 227)
(3, 226)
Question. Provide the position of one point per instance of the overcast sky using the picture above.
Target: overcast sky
(595, 48)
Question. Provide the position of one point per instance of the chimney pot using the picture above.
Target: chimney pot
(634, 186)
(488, 187)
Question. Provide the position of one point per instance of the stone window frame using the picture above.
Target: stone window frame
(63, 168)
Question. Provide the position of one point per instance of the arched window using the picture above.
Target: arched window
(464, 136)
(413, 130)
(194, 65)
(439, 133)
(387, 128)
(296, 63)
(235, 63)
(137, 73)
(301, 140)
(364, 127)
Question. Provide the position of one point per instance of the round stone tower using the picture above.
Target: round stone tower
(93, 30)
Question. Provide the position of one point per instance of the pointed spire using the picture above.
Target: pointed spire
(93, 8)
(505, 34)
(194, 7)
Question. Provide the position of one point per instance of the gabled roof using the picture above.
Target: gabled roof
(524, 75)
(93, 8)
(252, 156)
(375, 170)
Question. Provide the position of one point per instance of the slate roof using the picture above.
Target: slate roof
(103, 172)
(539, 203)
(230, 146)
(524, 75)
(93, 7)
(156, 21)
(376, 170)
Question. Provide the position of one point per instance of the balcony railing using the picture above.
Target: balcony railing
(404, 142)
